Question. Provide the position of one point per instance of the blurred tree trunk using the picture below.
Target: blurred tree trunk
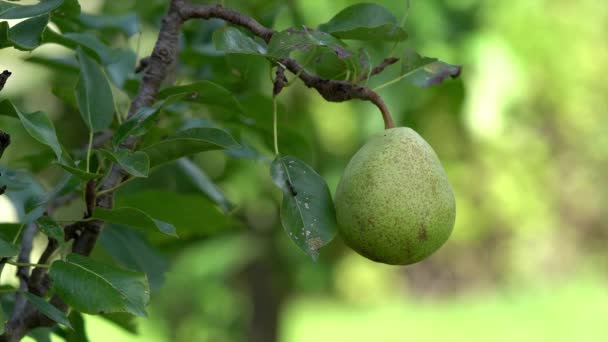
(267, 296)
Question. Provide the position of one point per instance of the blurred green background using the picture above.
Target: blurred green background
(522, 135)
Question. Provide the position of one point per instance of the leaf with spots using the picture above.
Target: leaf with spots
(425, 71)
(232, 40)
(307, 211)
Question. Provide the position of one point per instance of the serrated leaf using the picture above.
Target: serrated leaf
(78, 172)
(233, 40)
(93, 94)
(143, 120)
(135, 218)
(307, 210)
(425, 71)
(27, 35)
(200, 179)
(128, 23)
(305, 39)
(92, 287)
(50, 228)
(37, 124)
(188, 142)
(135, 163)
(207, 93)
(365, 21)
(15, 11)
(7, 249)
(48, 310)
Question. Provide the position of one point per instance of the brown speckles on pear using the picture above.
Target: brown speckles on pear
(394, 203)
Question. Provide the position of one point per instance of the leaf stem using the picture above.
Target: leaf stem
(274, 125)
(89, 148)
(102, 192)
(394, 80)
(16, 238)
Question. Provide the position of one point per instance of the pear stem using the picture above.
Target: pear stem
(386, 115)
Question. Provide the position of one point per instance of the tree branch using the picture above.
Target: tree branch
(157, 67)
(330, 90)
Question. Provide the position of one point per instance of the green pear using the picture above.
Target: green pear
(394, 203)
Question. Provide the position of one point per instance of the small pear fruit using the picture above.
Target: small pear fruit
(394, 203)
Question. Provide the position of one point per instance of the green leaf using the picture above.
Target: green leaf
(425, 71)
(78, 332)
(48, 310)
(78, 172)
(14, 11)
(233, 40)
(27, 35)
(88, 42)
(132, 251)
(3, 319)
(365, 21)
(305, 39)
(307, 211)
(7, 249)
(37, 124)
(63, 65)
(50, 228)
(143, 120)
(135, 163)
(4, 40)
(8, 231)
(92, 287)
(188, 142)
(128, 23)
(123, 320)
(135, 218)
(122, 67)
(200, 179)
(207, 93)
(192, 214)
(93, 94)
(69, 9)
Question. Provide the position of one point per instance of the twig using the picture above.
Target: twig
(23, 270)
(378, 69)
(157, 67)
(330, 90)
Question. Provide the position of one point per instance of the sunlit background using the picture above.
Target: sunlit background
(523, 135)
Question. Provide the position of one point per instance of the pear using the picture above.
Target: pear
(394, 203)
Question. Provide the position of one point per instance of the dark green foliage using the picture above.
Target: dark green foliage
(192, 161)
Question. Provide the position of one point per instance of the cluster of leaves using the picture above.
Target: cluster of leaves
(122, 283)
